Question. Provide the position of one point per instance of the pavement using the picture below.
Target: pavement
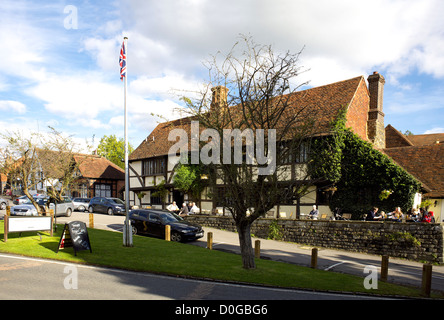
(400, 271)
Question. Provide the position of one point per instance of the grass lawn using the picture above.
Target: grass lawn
(159, 256)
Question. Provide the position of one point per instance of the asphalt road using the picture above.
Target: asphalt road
(23, 278)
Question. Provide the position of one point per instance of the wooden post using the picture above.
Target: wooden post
(257, 249)
(314, 258)
(5, 235)
(210, 240)
(426, 279)
(168, 232)
(51, 213)
(384, 268)
(8, 211)
(91, 220)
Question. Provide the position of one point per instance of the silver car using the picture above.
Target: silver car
(81, 204)
(24, 209)
(27, 209)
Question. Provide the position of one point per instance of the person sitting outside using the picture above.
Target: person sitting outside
(314, 213)
(428, 217)
(396, 215)
(194, 208)
(184, 211)
(372, 215)
(173, 207)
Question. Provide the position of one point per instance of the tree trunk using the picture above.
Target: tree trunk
(246, 247)
(31, 198)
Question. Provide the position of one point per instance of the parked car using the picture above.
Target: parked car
(27, 208)
(81, 204)
(3, 203)
(24, 209)
(24, 199)
(63, 208)
(106, 205)
(153, 221)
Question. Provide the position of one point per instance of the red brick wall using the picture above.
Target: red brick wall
(357, 114)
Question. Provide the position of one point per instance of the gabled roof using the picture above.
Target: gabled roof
(394, 138)
(96, 167)
(425, 163)
(325, 101)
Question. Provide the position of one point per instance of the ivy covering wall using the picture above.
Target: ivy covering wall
(363, 177)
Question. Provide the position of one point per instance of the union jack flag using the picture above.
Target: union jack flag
(122, 61)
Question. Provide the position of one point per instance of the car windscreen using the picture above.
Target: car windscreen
(168, 217)
(117, 201)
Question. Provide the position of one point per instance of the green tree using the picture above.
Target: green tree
(113, 149)
(188, 179)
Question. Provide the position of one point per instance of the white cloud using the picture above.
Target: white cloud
(12, 106)
(83, 95)
(434, 130)
(356, 35)
(75, 73)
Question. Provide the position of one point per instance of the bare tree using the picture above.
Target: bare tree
(20, 163)
(47, 161)
(253, 102)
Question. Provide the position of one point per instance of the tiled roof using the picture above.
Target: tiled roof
(96, 167)
(325, 102)
(426, 139)
(395, 139)
(425, 163)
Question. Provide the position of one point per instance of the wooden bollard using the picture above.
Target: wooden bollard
(91, 220)
(51, 213)
(257, 249)
(426, 279)
(384, 268)
(210, 240)
(168, 232)
(314, 258)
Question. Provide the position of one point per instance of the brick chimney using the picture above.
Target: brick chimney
(375, 124)
(219, 100)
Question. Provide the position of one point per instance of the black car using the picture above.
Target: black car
(152, 222)
(106, 205)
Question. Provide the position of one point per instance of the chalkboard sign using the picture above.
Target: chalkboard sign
(75, 235)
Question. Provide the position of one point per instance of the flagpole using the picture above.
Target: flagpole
(127, 230)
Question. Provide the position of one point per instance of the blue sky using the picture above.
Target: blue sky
(60, 58)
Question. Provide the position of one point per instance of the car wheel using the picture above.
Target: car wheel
(134, 229)
(90, 209)
(175, 236)
(2, 206)
(110, 211)
(68, 212)
(81, 208)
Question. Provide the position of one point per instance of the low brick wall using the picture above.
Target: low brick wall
(414, 241)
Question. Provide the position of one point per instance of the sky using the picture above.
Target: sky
(60, 58)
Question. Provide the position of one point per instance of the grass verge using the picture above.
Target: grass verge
(159, 256)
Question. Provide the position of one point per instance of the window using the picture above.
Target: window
(152, 167)
(102, 190)
(156, 200)
(289, 153)
(301, 155)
